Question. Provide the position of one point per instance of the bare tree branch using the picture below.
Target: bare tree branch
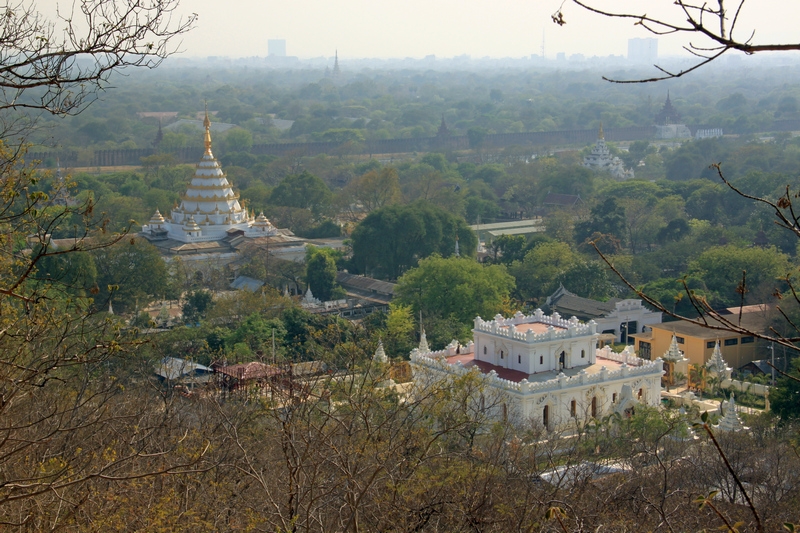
(692, 19)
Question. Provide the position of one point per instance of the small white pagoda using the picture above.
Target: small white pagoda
(674, 363)
(210, 209)
(731, 421)
(717, 365)
(600, 159)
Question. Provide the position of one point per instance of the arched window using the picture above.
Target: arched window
(594, 406)
(501, 354)
(546, 416)
(614, 398)
(641, 393)
(541, 359)
(573, 408)
(484, 350)
(583, 354)
(519, 359)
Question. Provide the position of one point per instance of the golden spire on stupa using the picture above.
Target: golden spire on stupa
(600, 134)
(207, 126)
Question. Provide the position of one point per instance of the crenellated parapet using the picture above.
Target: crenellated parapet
(437, 362)
(557, 327)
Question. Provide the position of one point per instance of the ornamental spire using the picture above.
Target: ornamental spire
(380, 354)
(674, 354)
(716, 364)
(600, 134)
(731, 420)
(207, 138)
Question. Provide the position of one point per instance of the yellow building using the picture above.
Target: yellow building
(697, 342)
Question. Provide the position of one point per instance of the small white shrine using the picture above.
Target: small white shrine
(717, 365)
(600, 159)
(674, 363)
(543, 368)
(210, 209)
(731, 421)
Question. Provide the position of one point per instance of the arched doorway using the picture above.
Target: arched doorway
(562, 360)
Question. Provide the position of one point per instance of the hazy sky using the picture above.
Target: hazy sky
(445, 28)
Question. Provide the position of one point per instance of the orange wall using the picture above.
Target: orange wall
(694, 348)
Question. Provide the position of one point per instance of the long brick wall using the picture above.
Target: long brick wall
(109, 158)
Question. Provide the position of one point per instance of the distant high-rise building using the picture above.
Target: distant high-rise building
(643, 50)
(277, 47)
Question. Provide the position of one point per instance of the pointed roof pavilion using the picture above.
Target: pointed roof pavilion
(731, 420)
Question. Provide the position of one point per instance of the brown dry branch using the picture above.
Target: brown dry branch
(714, 25)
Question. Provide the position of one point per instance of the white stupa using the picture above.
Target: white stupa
(380, 354)
(717, 365)
(600, 159)
(210, 209)
(731, 421)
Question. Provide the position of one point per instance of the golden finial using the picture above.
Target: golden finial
(207, 126)
(600, 134)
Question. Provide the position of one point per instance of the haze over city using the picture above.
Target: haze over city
(445, 28)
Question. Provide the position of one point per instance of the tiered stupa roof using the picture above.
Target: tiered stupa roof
(731, 420)
(209, 192)
(210, 208)
(716, 364)
(673, 354)
(380, 354)
(423, 343)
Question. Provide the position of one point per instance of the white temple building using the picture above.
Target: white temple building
(210, 209)
(545, 369)
(601, 160)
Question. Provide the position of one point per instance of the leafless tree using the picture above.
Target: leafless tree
(715, 24)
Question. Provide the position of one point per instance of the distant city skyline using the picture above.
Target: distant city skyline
(444, 28)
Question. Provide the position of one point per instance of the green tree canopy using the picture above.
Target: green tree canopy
(392, 239)
(131, 271)
(321, 273)
(454, 287)
(721, 269)
(302, 190)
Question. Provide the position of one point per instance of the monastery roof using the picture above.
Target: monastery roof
(755, 321)
(364, 283)
(247, 283)
(279, 240)
(254, 370)
(178, 247)
(569, 304)
(468, 360)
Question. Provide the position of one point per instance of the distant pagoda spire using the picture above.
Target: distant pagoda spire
(600, 134)
(159, 136)
(336, 70)
(668, 114)
(443, 130)
(207, 135)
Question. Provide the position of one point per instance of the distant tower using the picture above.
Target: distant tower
(643, 50)
(159, 136)
(542, 43)
(336, 70)
(443, 131)
(668, 114)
